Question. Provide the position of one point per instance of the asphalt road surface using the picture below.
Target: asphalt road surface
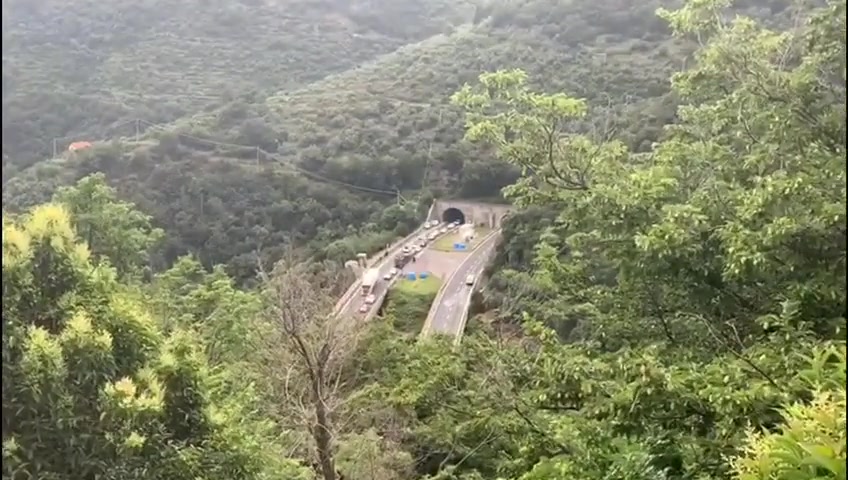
(351, 308)
(449, 316)
(382, 286)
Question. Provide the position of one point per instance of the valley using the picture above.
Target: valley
(237, 240)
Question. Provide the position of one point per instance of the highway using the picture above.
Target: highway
(350, 306)
(449, 312)
(380, 289)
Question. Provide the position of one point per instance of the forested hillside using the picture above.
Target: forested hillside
(75, 69)
(337, 89)
(669, 311)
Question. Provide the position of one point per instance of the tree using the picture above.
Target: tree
(113, 229)
(367, 456)
(316, 345)
(691, 274)
(731, 215)
(811, 441)
(92, 386)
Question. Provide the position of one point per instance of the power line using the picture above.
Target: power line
(259, 151)
(283, 162)
(56, 140)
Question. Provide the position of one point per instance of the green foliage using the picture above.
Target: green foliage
(230, 212)
(367, 456)
(685, 280)
(340, 106)
(811, 442)
(94, 389)
(161, 60)
(409, 302)
(668, 305)
(112, 229)
(706, 232)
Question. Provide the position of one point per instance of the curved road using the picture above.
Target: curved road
(448, 317)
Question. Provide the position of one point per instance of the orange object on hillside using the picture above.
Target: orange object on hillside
(78, 146)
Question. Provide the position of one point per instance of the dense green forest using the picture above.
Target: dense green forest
(668, 302)
(334, 89)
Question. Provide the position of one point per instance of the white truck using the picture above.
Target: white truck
(369, 281)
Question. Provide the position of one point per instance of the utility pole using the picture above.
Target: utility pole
(54, 148)
(426, 177)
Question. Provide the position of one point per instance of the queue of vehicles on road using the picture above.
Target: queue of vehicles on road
(408, 253)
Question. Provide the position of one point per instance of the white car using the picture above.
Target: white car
(363, 308)
(434, 223)
(393, 271)
(370, 299)
(433, 235)
(416, 249)
(469, 280)
(388, 276)
(443, 230)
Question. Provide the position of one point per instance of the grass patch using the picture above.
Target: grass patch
(409, 302)
(445, 243)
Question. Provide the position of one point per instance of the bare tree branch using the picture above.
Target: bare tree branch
(311, 348)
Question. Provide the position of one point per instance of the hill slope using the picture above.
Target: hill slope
(73, 68)
(389, 122)
(385, 124)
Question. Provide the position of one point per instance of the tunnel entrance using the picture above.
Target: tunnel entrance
(453, 215)
(503, 220)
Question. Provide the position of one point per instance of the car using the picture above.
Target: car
(444, 230)
(422, 243)
(433, 235)
(370, 299)
(405, 249)
(387, 276)
(363, 308)
(416, 249)
(469, 280)
(394, 271)
(434, 223)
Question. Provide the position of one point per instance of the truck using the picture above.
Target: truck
(401, 259)
(369, 281)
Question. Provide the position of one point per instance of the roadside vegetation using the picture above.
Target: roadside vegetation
(408, 302)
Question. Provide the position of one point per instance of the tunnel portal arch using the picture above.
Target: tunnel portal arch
(453, 214)
(503, 219)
